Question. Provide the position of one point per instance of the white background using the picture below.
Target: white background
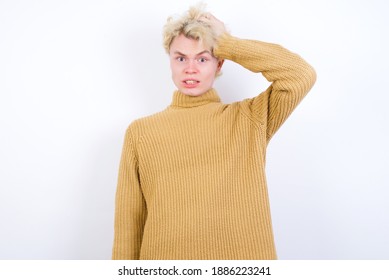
(74, 74)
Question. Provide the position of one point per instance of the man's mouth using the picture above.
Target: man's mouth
(191, 82)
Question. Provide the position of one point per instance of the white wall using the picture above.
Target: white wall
(74, 74)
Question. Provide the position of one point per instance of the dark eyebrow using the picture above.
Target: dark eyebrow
(203, 52)
(200, 53)
(179, 53)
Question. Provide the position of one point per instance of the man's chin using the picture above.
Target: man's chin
(194, 93)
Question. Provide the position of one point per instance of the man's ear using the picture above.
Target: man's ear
(220, 64)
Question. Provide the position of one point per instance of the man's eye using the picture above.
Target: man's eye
(202, 59)
(180, 59)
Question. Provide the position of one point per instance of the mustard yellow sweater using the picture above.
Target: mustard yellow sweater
(192, 178)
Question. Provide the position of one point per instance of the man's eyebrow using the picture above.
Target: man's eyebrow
(200, 53)
(179, 53)
(203, 52)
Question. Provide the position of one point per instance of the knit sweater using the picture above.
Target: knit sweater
(192, 180)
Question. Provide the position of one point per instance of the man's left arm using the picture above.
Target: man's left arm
(290, 75)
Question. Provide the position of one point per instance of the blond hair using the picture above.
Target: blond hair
(191, 26)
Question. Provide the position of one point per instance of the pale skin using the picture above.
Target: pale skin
(194, 67)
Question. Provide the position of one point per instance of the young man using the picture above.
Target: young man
(192, 177)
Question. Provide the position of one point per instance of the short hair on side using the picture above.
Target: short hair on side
(191, 26)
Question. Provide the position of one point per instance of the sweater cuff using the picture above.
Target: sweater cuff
(225, 47)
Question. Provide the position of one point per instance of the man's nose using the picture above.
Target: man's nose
(191, 67)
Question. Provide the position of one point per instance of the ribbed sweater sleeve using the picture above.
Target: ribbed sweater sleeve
(131, 211)
(290, 75)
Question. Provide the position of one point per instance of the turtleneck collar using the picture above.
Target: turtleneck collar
(187, 101)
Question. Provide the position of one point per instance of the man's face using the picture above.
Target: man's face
(193, 66)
